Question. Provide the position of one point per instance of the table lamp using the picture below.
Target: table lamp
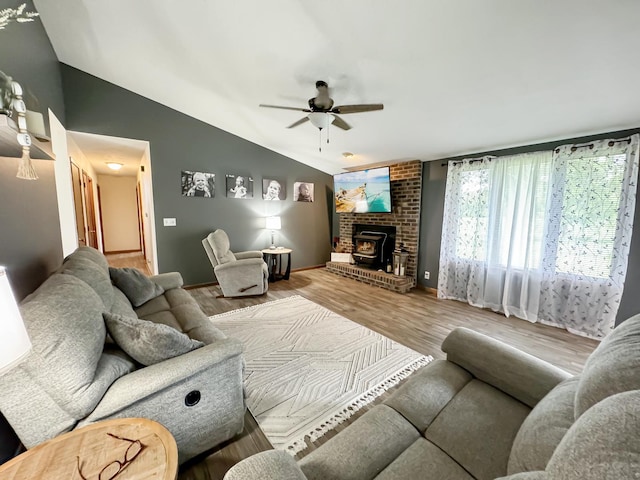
(14, 341)
(273, 224)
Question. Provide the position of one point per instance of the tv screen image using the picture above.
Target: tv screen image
(364, 191)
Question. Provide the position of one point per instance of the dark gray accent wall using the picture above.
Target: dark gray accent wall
(30, 244)
(434, 176)
(179, 142)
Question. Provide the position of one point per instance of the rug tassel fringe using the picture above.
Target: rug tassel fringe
(347, 412)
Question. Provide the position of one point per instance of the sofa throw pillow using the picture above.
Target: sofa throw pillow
(147, 342)
(135, 285)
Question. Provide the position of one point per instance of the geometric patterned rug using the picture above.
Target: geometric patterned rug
(308, 369)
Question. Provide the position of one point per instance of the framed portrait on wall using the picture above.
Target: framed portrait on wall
(303, 192)
(273, 189)
(239, 186)
(198, 184)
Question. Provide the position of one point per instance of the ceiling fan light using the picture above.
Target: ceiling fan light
(320, 119)
(114, 166)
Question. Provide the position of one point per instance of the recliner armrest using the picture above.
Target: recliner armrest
(272, 464)
(168, 280)
(513, 371)
(248, 254)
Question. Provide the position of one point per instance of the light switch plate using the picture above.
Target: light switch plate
(169, 222)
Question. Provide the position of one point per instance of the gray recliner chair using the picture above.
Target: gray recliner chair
(239, 274)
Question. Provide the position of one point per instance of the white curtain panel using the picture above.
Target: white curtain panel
(593, 197)
(543, 236)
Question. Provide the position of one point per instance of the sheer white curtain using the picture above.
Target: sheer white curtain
(493, 232)
(543, 236)
(589, 233)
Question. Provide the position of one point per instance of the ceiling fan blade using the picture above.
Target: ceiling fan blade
(369, 107)
(286, 108)
(340, 123)
(299, 122)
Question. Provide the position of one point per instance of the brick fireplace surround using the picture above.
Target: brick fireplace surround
(406, 192)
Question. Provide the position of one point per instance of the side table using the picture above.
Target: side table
(273, 257)
(57, 458)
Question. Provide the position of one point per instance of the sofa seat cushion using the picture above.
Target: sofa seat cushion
(425, 461)
(543, 429)
(477, 428)
(147, 342)
(427, 391)
(612, 367)
(135, 285)
(64, 320)
(364, 449)
(177, 309)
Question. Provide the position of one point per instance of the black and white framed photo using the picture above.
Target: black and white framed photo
(273, 189)
(239, 186)
(198, 184)
(303, 192)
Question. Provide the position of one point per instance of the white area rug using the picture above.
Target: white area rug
(309, 369)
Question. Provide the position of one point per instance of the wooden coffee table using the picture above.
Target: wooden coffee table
(56, 458)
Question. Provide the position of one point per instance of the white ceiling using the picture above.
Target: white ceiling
(455, 76)
(101, 149)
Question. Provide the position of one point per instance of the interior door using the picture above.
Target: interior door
(92, 234)
(76, 179)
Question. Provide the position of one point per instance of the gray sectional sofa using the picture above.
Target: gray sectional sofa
(77, 374)
(489, 411)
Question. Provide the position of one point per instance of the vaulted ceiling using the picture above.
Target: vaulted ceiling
(455, 76)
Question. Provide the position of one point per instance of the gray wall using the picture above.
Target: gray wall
(30, 244)
(434, 176)
(179, 142)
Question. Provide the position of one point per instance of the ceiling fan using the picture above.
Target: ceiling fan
(322, 113)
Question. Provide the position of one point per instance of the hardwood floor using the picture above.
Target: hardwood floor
(417, 319)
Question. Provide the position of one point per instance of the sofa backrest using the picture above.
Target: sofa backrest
(556, 424)
(67, 373)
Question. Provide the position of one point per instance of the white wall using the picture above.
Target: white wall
(119, 213)
(64, 190)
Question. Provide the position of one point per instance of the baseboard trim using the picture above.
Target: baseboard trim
(114, 252)
(431, 290)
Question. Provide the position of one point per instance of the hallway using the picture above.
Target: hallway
(133, 260)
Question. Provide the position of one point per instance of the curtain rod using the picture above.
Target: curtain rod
(458, 162)
(590, 146)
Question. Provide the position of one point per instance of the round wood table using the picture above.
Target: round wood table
(273, 257)
(58, 457)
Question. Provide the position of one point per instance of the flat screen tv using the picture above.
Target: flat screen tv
(364, 191)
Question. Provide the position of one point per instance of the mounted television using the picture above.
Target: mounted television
(364, 191)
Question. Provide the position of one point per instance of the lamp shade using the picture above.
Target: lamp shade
(273, 223)
(321, 120)
(14, 341)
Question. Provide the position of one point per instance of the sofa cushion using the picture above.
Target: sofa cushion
(135, 285)
(421, 398)
(425, 461)
(603, 444)
(64, 320)
(612, 368)
(92, 274)
(362, 450)
(148, 342)
(477, 429)
(543, 429)
(90, 253)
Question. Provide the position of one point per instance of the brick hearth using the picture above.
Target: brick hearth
(372, 277)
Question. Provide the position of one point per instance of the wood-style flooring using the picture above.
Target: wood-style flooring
(417, 319)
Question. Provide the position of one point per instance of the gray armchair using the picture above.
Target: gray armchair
(239, 274)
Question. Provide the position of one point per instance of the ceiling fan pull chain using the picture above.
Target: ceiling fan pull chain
(328, 134)
(320, 140)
